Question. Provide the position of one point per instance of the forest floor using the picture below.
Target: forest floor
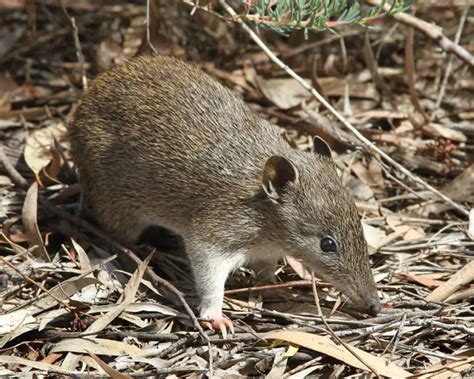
(69, 306)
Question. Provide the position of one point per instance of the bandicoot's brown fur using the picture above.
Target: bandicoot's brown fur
(159, 142)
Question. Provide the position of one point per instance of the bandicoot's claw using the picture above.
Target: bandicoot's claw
(220, 323)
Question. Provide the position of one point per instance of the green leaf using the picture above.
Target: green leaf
(283, 16)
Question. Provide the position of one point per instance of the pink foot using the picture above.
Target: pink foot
(220, 323)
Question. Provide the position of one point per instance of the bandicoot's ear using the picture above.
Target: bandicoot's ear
(321, 147)
(277, 173)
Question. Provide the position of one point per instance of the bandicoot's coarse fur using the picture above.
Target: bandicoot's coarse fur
(159, 142)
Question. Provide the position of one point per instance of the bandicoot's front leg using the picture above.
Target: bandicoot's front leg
(211, 267)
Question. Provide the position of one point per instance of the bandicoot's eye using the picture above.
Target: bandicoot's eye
(328, 245)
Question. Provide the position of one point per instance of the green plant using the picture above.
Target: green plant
(283, 16)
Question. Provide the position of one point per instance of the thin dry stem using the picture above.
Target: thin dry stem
(449, 66)
(77, 43)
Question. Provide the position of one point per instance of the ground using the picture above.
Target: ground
(69, 306)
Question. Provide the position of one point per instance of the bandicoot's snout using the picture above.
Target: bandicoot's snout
(374, 307)
(368, 302)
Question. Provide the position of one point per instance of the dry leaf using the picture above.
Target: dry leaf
(423, 280)
(298, 267)
(461, 188)
(114, 374)
(362, 173)
(39, 143)
(29, 219)
(51, 171)
(18, 322)
(284, 93)
(84, 260)
(128, 296)
(100, 346)
(373, 235)
(279, 364)
(376, 174)
(405, 231)
(447, 370)
(326, 346)
(16, 319)
(357, 188)
(12, 360)
(287, 93)
(438, 130)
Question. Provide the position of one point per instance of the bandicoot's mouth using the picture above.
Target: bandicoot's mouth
(369, 304)
(373, 308)
(365, 301)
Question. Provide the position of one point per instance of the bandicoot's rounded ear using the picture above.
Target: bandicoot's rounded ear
(277, 173)
(321, 147)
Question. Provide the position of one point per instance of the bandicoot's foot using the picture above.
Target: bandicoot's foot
(220, 323)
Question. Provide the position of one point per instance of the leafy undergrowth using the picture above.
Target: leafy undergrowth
(70, 306)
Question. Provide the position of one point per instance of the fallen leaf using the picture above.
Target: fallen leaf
(49, 174)
(39, 143)
(114, 374)
(30, 223)
(51, 358)
(287, 93)
(12, 360)
(280, 361)
(407, 232)
(326, 346)
(461, 188)
(423, 280)
(446, 370)
(284, 93)
(83, 258)
(298, 267)
(438, 130)
(12, 320)
(373, 235)
(128, 296)
(20, 321)
(100, 346)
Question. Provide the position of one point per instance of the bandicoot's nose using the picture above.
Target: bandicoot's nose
(374, 307)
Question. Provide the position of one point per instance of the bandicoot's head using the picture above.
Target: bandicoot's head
(319, 222)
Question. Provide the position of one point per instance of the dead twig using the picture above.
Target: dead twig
(411, 74)
(271, 287)
(14, 175)
(449, 66)
(397, 337)
(148, 40)
(77, 43)
(431, 30)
